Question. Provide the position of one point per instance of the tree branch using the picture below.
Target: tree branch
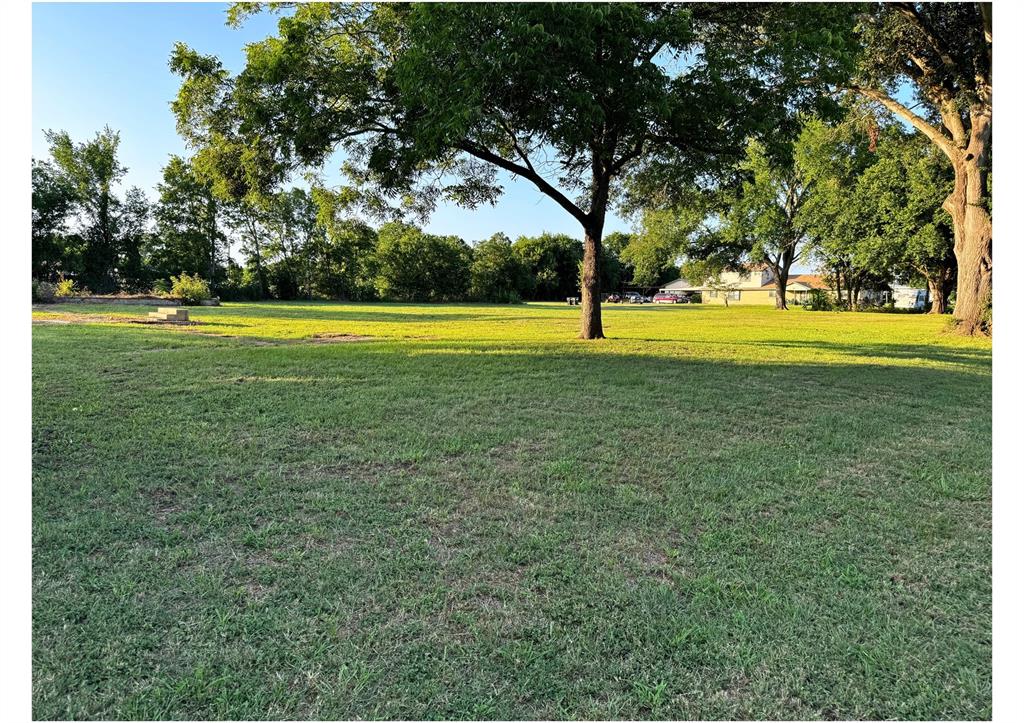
(909, 11)
(927, 129)
(546, 188)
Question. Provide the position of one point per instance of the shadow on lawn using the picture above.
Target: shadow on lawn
(981, 358)
(376, 312)
(617, 512)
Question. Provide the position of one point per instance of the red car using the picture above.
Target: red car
(666, 299)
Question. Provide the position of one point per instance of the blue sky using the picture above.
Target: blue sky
(96, 64)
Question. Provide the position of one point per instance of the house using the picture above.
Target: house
(754, 286)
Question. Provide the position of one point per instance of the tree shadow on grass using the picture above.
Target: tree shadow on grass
(980, 358)
(544, 513)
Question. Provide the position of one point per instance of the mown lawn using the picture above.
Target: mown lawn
(463, 512)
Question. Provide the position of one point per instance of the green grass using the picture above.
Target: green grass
(716, 513)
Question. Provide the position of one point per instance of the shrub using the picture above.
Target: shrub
(161, 287)
(189, 289)
(66, 287)
(43, 292)
(820, 300)
(509, 296)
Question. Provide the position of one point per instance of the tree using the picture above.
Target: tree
(91, 169)
(945, 51)
(430, 100)
(496, 273)
(245, 222)
(765, 216)
(292, 220)
(189, 238)
(415, 266)
(839, 216)
(552, 262)
(904, 188)
(875, 207)
(652, 254)
(53, 204)
(132, 237)
(344, 258)
(754, 218)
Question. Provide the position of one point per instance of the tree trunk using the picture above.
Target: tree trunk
(780, 295)
(261, 275)
(937, 292)
(972, 229)
(590, 303)
(782, 280)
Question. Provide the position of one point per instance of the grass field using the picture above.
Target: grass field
(463, 512)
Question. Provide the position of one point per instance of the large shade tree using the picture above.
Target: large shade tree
(429, 101)
(945, 51)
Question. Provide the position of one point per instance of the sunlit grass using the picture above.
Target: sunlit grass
(466, 512)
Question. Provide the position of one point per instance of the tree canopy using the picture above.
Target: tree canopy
(429, 100)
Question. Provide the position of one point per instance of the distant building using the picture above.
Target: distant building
(909, 297)
(755, 286)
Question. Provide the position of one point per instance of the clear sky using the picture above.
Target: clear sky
(96, 64)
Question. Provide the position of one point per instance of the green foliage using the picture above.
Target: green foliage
(876, 214)
(552, 263)
(416, 266)
(189, 239)
(821, 300)
(946, 42)
(189, 289)
(497, 274)
(89, 170)
(134, 239)
(53, 201)
(427, 101)
(653, 254)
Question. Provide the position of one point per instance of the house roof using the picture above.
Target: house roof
(813, 281)
(678, 285)
(807, 281)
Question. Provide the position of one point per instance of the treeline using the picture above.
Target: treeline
(861, 199)
(294, 244)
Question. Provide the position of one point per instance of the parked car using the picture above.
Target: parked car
(613, 299)
(666, 299)
(634, 298)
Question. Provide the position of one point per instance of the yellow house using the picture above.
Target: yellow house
(750, 287)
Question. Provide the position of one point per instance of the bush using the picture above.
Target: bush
(66, 287)
(820, 300)
(161, 287)
(189, 289)
(507, 297)
(43, 292)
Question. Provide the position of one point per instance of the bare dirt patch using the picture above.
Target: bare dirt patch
(331, 338)
(63, 318)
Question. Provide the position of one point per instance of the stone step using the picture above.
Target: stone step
(172, 315)
(172, 310)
